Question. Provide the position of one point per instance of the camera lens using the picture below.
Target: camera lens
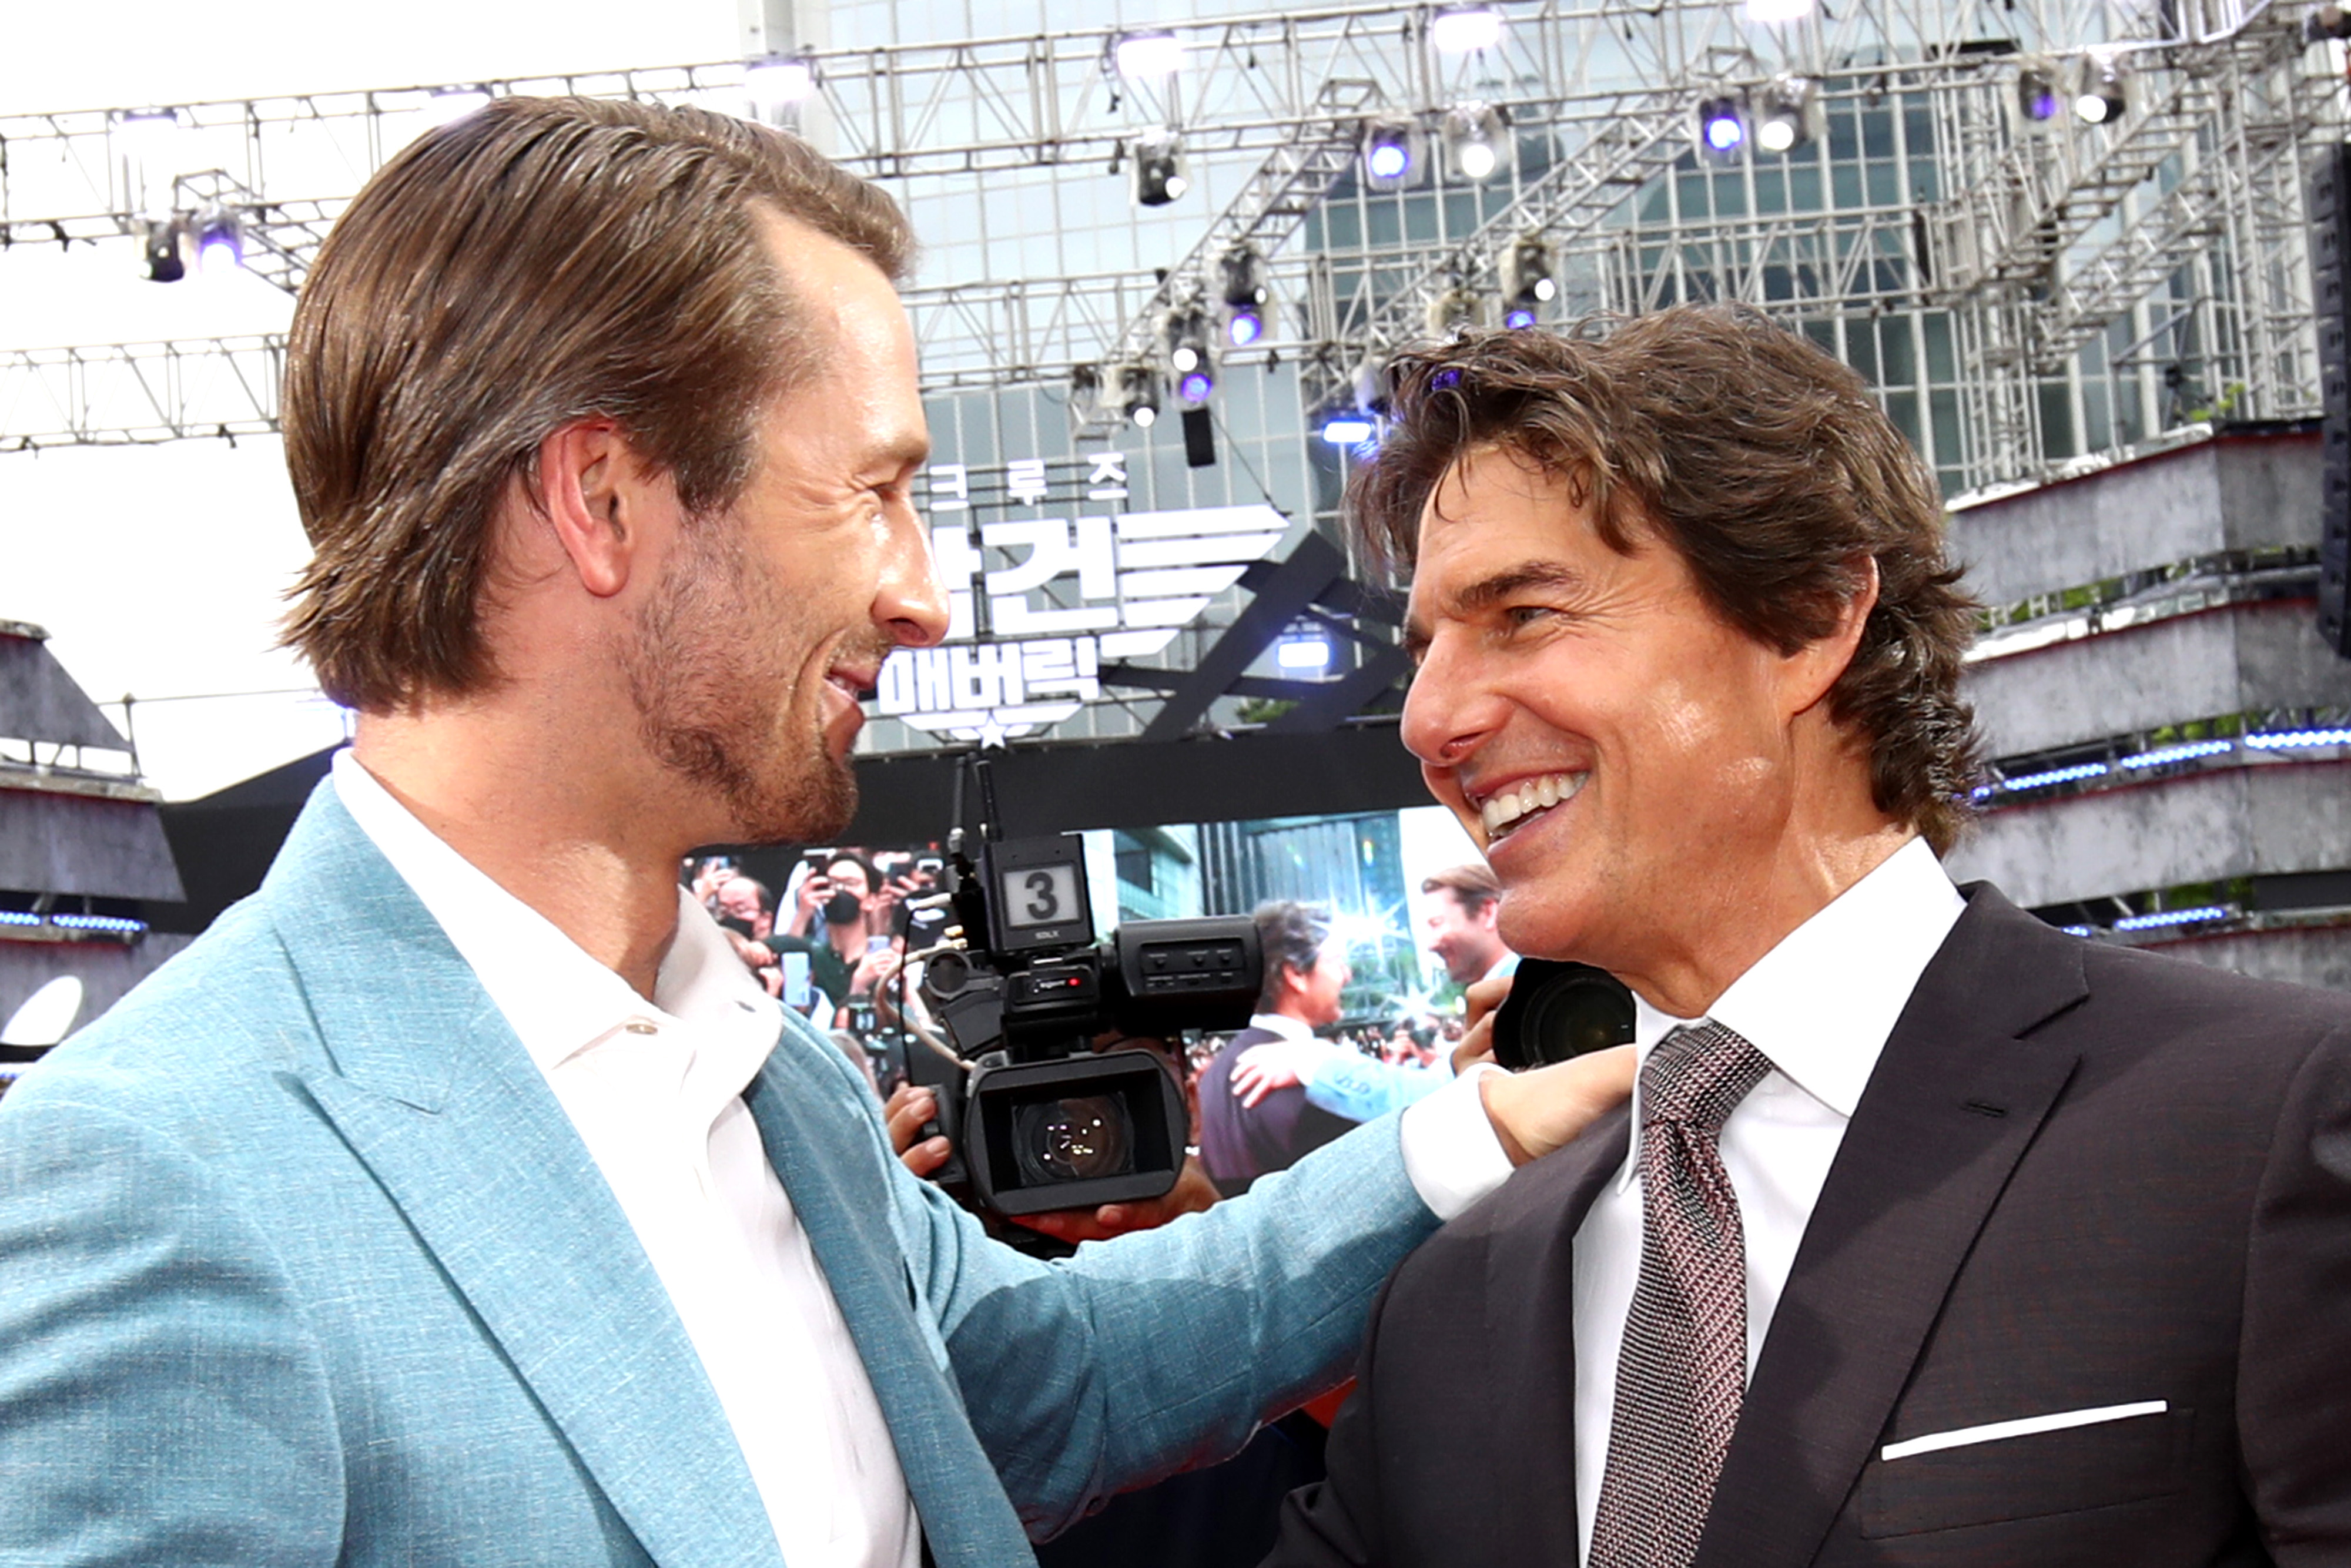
(1556, 1011)
(1082, 1138)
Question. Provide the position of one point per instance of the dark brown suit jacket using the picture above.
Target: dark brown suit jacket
(2080, 1177)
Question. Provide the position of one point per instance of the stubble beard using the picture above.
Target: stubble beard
(708, 704)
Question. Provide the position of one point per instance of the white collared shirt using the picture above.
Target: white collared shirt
(1282, 1024)
(1820, 1005)
(655, 1092)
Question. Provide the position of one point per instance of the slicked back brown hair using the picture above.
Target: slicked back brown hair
(537, 262)
(1759, 459)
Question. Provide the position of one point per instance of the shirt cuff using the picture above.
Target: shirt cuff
(1451, 1151)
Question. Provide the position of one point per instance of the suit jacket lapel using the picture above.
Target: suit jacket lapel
(827, 1164)
(433, 1092)
(1531, 1302)
(1957, 1096)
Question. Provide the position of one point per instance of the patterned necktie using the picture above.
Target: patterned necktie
(1683, 1369)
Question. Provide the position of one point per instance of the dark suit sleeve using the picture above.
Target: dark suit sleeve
(2293, 1397)
(1335, 1523)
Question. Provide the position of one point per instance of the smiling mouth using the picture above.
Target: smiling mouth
(1506, 813)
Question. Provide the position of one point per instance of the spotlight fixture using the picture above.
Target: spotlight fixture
(1186, 333)
(220, 241)
(779, 79)
(1477, 141)
(1787, 112)
(1394, 153)
(1158, 174)
(1085, 392)
(1242, 288)
(1138, 54)
(2103, 96)
(1722, 129)
(449, 104)
(1465, 31)
(2038, 100)
(1529, 279)
(1454, 309)
(1349, 429)
(1138, 395)
(159, 248)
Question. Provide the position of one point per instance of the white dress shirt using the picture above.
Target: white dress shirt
(1819, 1006)
(655, 1092)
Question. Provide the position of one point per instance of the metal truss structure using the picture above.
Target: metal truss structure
(2136, 272)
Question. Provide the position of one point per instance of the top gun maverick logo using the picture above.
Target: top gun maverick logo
(1040, 605)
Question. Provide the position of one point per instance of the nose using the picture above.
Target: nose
(910, 601)
(1448, 709)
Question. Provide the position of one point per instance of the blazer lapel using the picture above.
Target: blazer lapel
(434, 1094)
(822, 1157)
(1530, 1304)
(1957, 1096)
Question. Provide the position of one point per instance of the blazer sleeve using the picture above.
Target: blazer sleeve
(1164, 1349)
(160, 1399)
(2294, 1396)
(1361, 1090)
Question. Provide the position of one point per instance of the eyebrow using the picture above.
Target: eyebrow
(1489, 591)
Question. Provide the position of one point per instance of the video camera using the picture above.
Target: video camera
(1037, 1119)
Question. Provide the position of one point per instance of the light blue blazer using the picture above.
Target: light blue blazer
(301, 1262)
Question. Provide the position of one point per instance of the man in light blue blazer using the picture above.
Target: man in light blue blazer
(449, 1202)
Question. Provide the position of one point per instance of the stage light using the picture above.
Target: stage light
(1466, 31)
(1393, 151)
(779, 79)
(1788, 113)
(1477, 141)
(1186, 334)
(1138, 395)
(2165, 755)
(1453, 310)
(1348, 430)
(2162, 917)
(1242, 291)
(2038, 99)
(1159, 177)
(2104, 94)
(1085, 392)
(1147, 55)
(1778, 12)
(2291, 739)
(1529, 280)
(1722, 129)
(220, 242)
(450, 104)
(159, 248)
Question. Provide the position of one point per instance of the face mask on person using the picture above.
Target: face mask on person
(842, 908)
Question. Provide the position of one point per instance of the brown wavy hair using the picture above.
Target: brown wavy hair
(1762, 462)
(537, 262)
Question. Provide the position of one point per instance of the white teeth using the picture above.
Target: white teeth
(1514, 806)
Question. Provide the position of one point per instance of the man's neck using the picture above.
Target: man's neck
(546, 823)
(1729, 934)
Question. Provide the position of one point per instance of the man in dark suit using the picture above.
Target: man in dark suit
(1243, 1139)
(1933, 1234)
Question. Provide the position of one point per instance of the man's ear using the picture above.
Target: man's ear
(595, 500)
(1813, 669)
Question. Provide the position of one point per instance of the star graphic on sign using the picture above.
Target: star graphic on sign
(991, 734)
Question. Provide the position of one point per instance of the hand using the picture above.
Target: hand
(1537, 1112)
(1192, 1193)
(905, 1112)
(755, 955)
(815, 888)
(1274, 1064)
(873, 972)
(1477, 1040)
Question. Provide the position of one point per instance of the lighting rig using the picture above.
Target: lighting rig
(1477, 142)
(1241, 284)
(1530, 271)
(1394, 152)
(1158, 168)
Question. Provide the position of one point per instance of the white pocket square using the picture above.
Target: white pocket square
(1962, 1437)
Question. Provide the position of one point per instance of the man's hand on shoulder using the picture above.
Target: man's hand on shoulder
(1537, 1112)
